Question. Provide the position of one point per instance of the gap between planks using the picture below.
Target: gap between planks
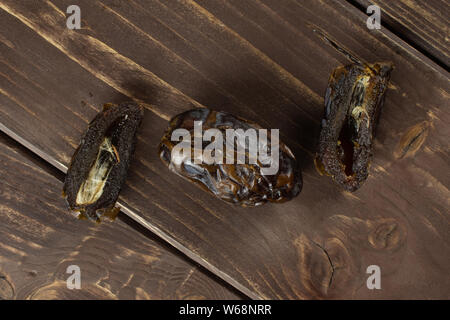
(404, 38)
(160, 233)
(141, 221)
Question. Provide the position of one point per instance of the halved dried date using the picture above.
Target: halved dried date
(99, 165)
(274, 178)
(353, 101)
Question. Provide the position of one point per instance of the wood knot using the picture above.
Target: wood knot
(315, 267)
(6, 289)
(412, 140)
(385, 234)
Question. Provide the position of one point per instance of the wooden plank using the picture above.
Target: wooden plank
(424, 24)
(38, 241)
(269, 62)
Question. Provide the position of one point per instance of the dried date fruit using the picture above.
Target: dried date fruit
(99, 165)
(237, 168)
(353, 102)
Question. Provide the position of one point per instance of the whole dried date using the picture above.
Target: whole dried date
(244, 183)
(353, 101)
(99, 165)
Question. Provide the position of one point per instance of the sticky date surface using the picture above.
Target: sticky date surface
(353, 102)
(99, 165)
(242, 184)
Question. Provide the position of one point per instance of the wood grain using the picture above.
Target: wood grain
(39, 240)
(424, 24)
(268, 61)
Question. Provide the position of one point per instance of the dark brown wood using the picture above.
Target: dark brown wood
(39, 240)
(268, 62)
(424, 24)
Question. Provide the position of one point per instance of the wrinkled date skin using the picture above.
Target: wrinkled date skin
(353, 102)
(99, 165)
(242, 184)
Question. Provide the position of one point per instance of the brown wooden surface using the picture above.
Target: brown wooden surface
(424, 24)
(269, 62)
(38, 241)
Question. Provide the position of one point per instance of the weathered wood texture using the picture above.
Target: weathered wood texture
(38, 241)
(268, 61)
(424, 24)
